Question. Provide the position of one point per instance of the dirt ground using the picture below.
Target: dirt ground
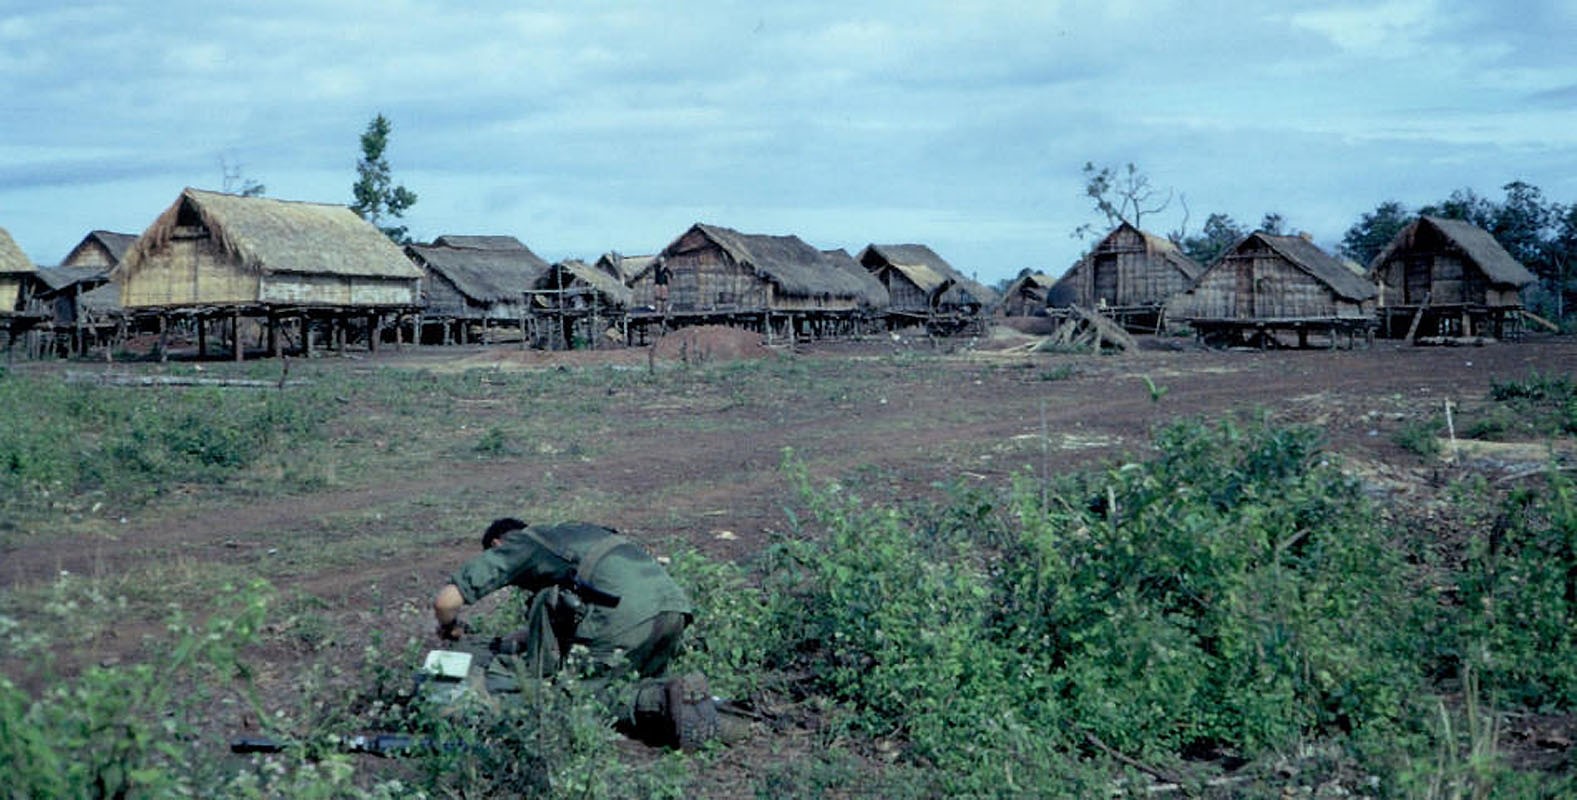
(1050, 413)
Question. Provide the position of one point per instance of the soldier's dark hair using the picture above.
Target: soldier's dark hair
(500, 526)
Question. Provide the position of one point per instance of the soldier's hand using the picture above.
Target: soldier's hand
(451, 632)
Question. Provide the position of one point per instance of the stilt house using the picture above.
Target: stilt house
(717, 269)
(227, 257)
(1266, 285)
(81, 312)
(923, 288)
(1026, 296)
(18, 283)
(1448, 277)
(474, 281)
(1128, 275)
(574, 303)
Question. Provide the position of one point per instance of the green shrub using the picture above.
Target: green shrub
(1420, 437)
(1519, 599)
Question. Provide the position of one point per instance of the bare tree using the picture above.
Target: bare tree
(235, 181)
(1121, 195)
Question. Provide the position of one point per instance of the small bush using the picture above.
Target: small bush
(1420, 438)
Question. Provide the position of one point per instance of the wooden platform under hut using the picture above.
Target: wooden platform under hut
(265, 274)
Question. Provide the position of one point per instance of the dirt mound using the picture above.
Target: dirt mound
(711, 343)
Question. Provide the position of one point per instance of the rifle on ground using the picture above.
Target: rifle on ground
(378, 744)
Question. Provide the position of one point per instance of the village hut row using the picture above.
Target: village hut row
(1437, 278)
(276, 276)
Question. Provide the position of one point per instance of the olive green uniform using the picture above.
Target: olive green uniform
(641, 633)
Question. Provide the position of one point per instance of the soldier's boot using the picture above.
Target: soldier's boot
(691, 711)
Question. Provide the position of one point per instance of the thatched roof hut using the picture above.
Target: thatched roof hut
(624, 268)
(100, 249)
(586, 282)
(717, 269)
(1026, 296)
(483, 282)
(919, 282)
(1448, 277)
(18, 276)
(1451, 262)
(1275, 279)
(1128, 269)
(210, 249)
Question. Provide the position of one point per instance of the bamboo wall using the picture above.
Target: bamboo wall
(1445, 278)
(337, 290)
(906, 296)
(92, 256)
(10, 291)
(1122, 272)
(190, 270)
(1263, 285)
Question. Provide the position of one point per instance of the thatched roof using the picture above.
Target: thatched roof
(58, 278)
(875, 294)
(12, 259)
(796, 268)
(1476, 243)
(1171, 253)
(479, 242)
(625, 268)
(566, 272)
(268, 236)
(1324, 267)
(927, 270)
(115, 244)
(482, 274)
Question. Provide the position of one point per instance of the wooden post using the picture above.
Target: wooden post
(273, 334)
(374, 332)
(235, 336)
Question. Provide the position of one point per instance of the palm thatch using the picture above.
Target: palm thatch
(578, 274)
(12, 259)
(265, 236)
(481, 275)
(874, 296)
(484, 242)
(102, 249)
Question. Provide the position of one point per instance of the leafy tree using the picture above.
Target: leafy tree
(1220, 232)
(1273, 224)
(376, 195)
(1373, 231)
(1120, 196)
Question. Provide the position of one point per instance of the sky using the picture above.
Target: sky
(595, 126)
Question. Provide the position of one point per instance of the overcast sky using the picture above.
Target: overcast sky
(583, 127)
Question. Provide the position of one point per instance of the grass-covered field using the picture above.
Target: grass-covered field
(929, 574)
